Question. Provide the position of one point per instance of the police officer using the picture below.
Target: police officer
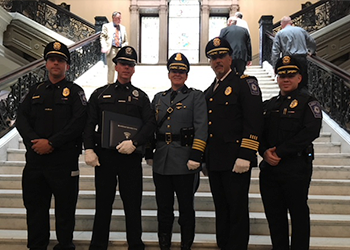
(122, 163)
(235, 121)
(181, 140)
(51, 119)
(292, 120)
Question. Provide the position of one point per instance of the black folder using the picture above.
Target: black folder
(117, 128)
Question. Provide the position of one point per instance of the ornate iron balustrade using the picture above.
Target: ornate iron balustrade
(84, 55)
(318, 15)
(331, 86)
(53, 17)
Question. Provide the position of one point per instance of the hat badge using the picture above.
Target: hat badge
(57, 46)
(286, 60)
(217, 42)
(178, 57)
(128, 51)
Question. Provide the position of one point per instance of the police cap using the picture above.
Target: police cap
(57, 49)
(287, 65)
(218, 46)
(178, 61)
(126, 55)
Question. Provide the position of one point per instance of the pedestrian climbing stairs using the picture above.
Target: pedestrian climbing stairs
(329, 198)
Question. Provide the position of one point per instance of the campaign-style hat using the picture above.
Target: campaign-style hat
(57, 49)
(127, 55)
(287, 65)
(218, 46)
(178, 61)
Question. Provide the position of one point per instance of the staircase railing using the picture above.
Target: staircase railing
(84, 55)
(53, 17)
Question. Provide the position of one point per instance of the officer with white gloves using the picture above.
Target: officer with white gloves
(180, 142)
(121, 163)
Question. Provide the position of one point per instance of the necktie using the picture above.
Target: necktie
(217, 84)
(172, 95)
(117, 36)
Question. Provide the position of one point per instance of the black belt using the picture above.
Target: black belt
(168, 137)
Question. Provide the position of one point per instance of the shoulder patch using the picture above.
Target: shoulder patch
(316, 109)
(253, 85)
(82, 97)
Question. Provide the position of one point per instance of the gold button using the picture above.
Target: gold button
(168, 126)
(211, 99)
(211, 135)
(209, 123)
(210, 111)
(237, 141)
(169, 118)
(226, 103)
(185, 107)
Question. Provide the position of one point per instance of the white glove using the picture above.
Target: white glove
(91, 158)
(192, 165)
(126, 147)
(149, 162)
(241, 166)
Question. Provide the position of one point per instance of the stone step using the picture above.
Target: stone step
(327, 147)
(16, 239)
(334, 159)
(319, 204)
(317, 187)
(322, 225)
(319, 171)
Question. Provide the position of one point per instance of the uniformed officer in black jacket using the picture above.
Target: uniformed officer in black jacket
(292, 120)
(122, 163)
(51, 119)
(181, 139)
(235, 121)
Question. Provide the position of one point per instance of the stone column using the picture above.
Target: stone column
(134, 36)
(163, 34)
(204, 33)
(265, 43)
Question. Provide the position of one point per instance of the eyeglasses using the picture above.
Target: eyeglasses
(287, 75)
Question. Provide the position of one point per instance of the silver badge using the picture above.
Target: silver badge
(135, 93)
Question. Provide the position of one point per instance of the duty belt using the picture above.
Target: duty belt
(168, 137)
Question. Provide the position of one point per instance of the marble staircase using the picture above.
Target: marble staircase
(329, 198)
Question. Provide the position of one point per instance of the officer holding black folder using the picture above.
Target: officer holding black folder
(180, 142)
(121, 163)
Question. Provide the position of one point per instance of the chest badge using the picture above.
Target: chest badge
(135, 93)
(66, 92)
(228, 91)
(294, 103)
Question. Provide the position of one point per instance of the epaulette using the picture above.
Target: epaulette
(244, 76)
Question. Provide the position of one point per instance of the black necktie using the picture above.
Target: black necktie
(172, 95)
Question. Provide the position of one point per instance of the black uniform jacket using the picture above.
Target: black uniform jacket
(235, 121)
(119, 98)
(56, 112)
(291, 123)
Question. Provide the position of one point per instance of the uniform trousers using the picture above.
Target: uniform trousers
(39, 183)
(184, 186)
(230, 194)
(239, 66)
(285, 188)
(111, 65)
(127, 170)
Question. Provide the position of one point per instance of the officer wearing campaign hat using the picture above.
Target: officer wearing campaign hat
(51, 119)
(118, 162)
(57, 49)
(180, 144)
(234, 109)
(292, 120)
(126, 55)
(218, 47)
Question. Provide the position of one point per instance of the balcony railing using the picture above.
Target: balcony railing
(84, 55)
